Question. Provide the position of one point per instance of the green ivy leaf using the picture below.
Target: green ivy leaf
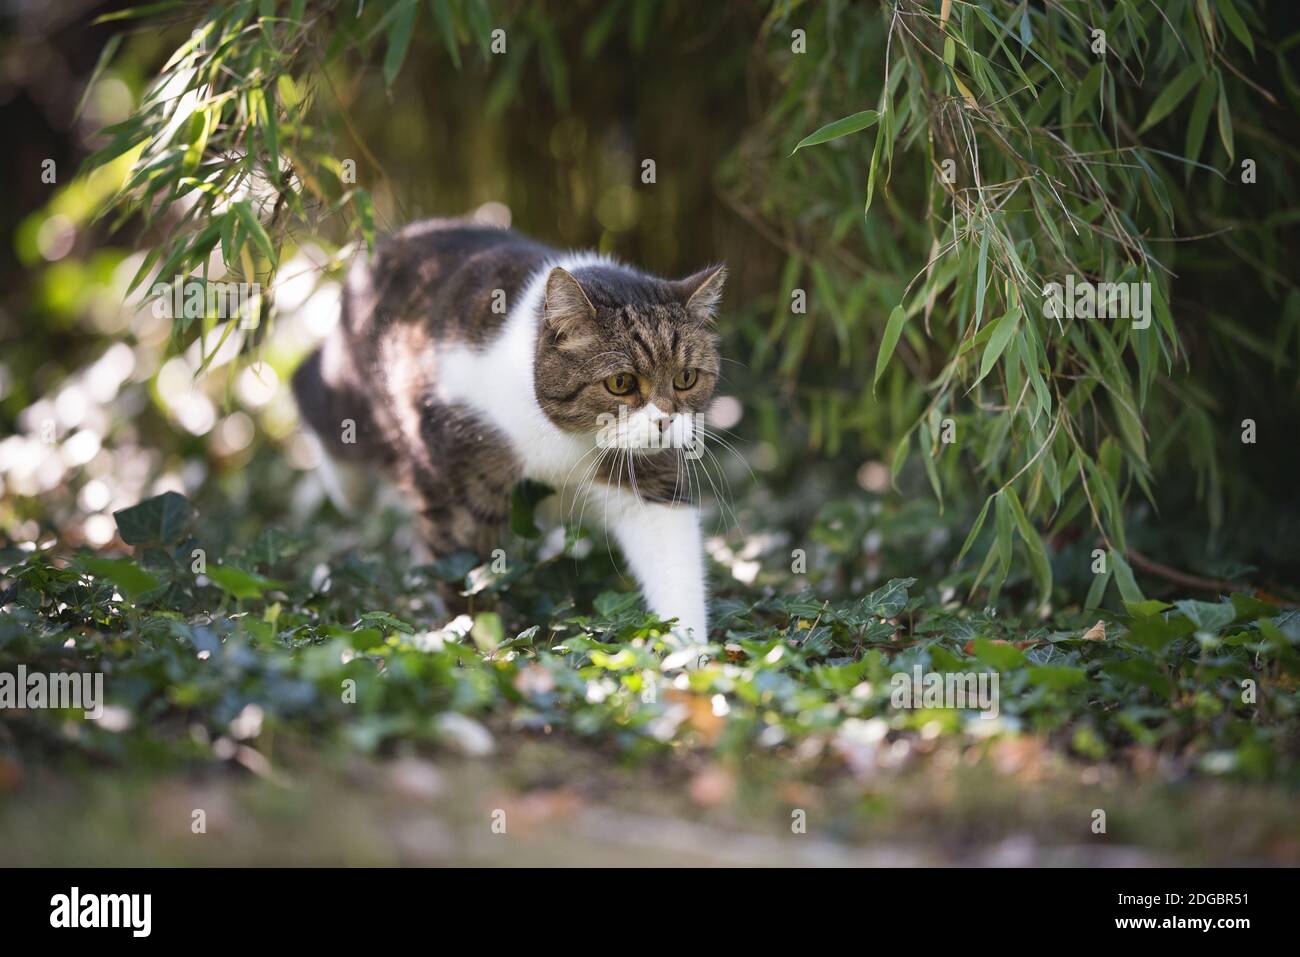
(1056, 677)
(240, 583)
(163, 519)
(889, 599)
(1002, 657)
(1210, 617)
(129, 578)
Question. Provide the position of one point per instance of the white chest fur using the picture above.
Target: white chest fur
(662, 542)
(497, 382)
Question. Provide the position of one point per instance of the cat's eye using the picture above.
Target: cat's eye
(621, 383)
(685, 379)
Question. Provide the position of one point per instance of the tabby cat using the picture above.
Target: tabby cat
(469, 357)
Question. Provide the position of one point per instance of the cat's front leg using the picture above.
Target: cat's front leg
(665, 550)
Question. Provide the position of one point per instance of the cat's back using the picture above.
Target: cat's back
(452, 278)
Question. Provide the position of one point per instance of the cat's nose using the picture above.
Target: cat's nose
(665, 424)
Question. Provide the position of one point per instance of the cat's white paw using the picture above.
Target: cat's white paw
(692, 634)
(690, 648)
(690, 659)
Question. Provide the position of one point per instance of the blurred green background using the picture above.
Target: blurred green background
(1070, 438)
(552, 136)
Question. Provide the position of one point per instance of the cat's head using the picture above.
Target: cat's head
(630, 358)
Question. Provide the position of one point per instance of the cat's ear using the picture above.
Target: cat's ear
(567, 306)
(703, 291)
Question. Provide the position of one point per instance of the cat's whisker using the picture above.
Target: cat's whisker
(697, 489)
(572, 468)
(718, 429)
(723, 507)
(618, 464)
(728, 514)
(677, 473)
(573, 490)
(587, 483)
(631, 469)
(584, 485)
(715, 436)
(585, 491)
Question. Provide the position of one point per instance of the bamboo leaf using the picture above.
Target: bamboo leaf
(249, 221)
(841, 127)
(140, 12)
(1097, 590)
(893, 329)
(1003, 330)
(927, 459)
(975, 529)
(1087, 91)
(1128, 587)
(366, 213)
(105, 57)
(1171, 96)
(399, 39)
(965, 92)
(1199, 120)
(1228, 10)
(900, 456)
(1225, 121)
(871, 173)
(1040, 567)
(1003, 523)
(441, 11)
(981, 277)
(200, 125)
